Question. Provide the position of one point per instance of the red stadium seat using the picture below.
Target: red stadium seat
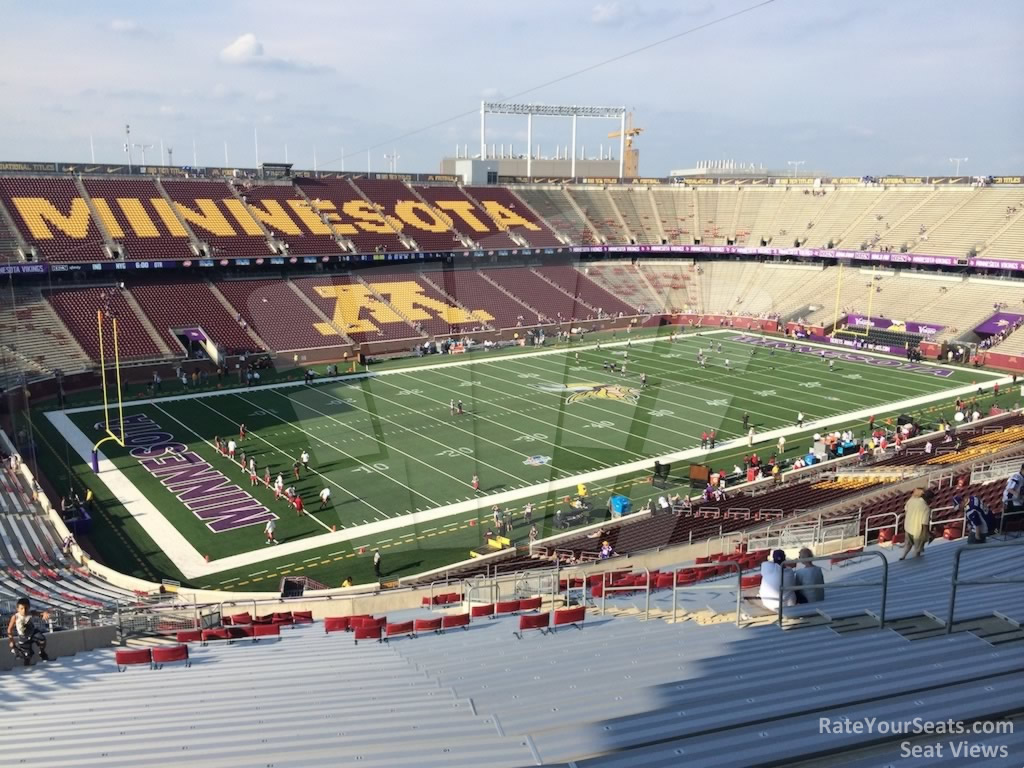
(266, 630)
(368, 632)
(572, 616)
(238, 618)
(750, 581)
(478, 611)
(530, 604)
(538, 621)
(130, 657)
(189, 636)
(426, 625)
(398, 629)
(302, 617)
(336, 624)
(216, 633)
(454, 620)
(170, 653)
(506, 606)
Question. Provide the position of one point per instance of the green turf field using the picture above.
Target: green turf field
(388, 445)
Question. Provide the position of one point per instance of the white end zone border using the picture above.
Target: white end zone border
(193, 564)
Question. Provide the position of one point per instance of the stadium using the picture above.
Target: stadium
(528, 461)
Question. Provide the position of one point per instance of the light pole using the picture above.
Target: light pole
(143, 147)
(128, 146)
(956, 162)
(796, 164)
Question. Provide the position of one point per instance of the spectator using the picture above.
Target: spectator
(376, 563)
(1013, 494)
(811, 578)
(347, 582)
(980, 520)
(606, 550)
(916, 522)
(24, 636)
(776, 582)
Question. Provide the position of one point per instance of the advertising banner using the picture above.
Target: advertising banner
(888, 324)
(1000, 321)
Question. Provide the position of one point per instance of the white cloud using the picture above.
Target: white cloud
(606, 13)
(247, 50)
(126, 27)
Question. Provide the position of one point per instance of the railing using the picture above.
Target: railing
(957, 582)
(646, 588)
(884, 583)
(997, 470)
(699, 586)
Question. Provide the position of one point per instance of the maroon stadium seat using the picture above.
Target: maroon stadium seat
(130, 657)
(171, 653)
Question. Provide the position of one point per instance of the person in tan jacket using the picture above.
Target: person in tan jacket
(917, 516)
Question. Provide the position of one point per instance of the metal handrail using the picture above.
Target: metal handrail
(646, 588)
(884, 583)
(699, 586)
(897, 519)
(956, 582)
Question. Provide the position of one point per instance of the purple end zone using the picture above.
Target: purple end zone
(852, 357)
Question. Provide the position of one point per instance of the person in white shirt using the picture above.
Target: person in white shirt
(1013, 493)
(304, 458)
(278, 487)
(269, 531)
(811, 577)
(325, 498)
(231, 449)
(776, 581)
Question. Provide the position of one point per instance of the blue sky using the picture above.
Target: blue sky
(849, 86)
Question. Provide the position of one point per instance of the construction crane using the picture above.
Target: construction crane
(631, 156)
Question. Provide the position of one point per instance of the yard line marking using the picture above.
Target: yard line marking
(363, 463)
(381, 541)
(473, 435)
(311, 559)
(336, 484)
(562, 428)
(207, 442)
(257, 573)
(426, 437)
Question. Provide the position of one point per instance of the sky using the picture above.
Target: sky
(849, 87)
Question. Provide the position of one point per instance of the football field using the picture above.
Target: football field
(400, 462)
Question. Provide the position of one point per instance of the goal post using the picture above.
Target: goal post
(109, 434)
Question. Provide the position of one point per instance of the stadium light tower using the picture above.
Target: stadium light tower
(128, 146)
(796, 164)
(143, 147)
(544, 110)
(956, 162)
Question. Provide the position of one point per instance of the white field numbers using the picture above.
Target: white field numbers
(379, 466)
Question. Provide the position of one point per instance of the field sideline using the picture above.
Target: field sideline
(400, 465)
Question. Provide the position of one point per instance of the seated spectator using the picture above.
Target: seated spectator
(347, 582)
(980, 520)
(811, 577)
(776, 582)
(606, 551)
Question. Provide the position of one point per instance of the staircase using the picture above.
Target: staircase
(508, 293)
(319, 313)
(382, 300)
(198, 247)
(343, 242)
(234, 313)
(557, 287)
(425, 277)
(148, 325)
